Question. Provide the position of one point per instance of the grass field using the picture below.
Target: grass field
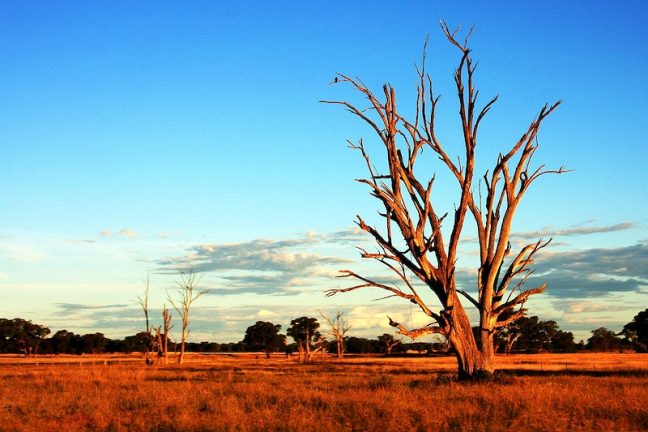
(544, 392)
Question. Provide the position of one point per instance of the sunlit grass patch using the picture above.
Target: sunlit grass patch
(372, 393)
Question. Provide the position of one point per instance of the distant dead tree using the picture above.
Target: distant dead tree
(414, 243)
(166, 323)
(143, 301)
(187, 294)
(339, 328)
(162, 335)
(389, 342)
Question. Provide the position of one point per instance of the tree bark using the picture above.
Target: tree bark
(471, 361)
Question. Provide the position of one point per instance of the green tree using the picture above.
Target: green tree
(636, 331)
(304, 331)
(360, 345)
(20, 335)
(264, 336)
(388, 342)
(533, 335)
(136, 343)
(64, 342)
(94, 343)
(603, 339)
(563, 342)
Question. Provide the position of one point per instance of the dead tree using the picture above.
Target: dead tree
(164, 342)
(319, 346)
(389, 342)
(143, 302)
(188, 293)
(414, 240)
(339, 328)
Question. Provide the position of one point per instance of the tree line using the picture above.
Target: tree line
(306, 338)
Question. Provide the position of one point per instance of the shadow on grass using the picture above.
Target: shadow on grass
(575, 372)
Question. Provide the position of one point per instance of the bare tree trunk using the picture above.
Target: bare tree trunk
(462, 340)
(182, 350)
(307, 346)
(158, 341)
(143, 302)
(166, 320)
(300, 352)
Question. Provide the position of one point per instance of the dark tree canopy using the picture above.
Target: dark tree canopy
(21, 336)
(304, 330)
(603, 339)
(264, 336)
(636, 331)
(388, 342)
(309, 340)
(530, 334)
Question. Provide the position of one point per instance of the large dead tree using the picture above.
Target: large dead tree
(414, 240)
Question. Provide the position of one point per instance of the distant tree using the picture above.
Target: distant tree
(304, 331)
(528, 334)
(264, 336)
(63, 342)
(20, 335)
(636, 331)
(506, 336)
(135, 343)
(339, 328)
(440, 346)
(603, 339)
(388, 342)
(359, 345)
(234, 346)
(188, 293)
(162, 335)
(115, 346)
(94, 343)
(143, 301)
(563, 342)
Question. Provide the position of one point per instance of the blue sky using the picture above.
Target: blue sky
(136, 137)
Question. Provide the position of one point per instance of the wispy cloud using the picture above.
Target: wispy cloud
(595, 272)
(260, 266)
(627, 261)
(73, 307)
(349, 236)
(588, 306)
(122, 233)
(573, 231)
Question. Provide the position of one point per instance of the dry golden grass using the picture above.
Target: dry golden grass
(597, 392)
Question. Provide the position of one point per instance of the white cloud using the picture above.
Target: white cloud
(267, 314)
(122, 233)
(550, 231)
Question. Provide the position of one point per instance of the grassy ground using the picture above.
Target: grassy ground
(535, 392)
